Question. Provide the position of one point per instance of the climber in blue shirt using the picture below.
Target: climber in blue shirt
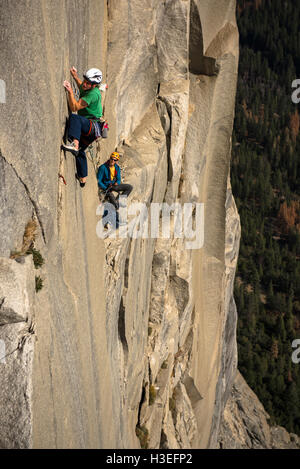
(109, 180)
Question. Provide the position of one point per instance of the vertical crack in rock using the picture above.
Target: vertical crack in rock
(34, 204)
(122, 310)
(163, 441)
(126, 272)
(142, 400)
(122, 330)
(165, 113)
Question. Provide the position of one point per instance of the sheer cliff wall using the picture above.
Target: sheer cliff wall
(127, 336)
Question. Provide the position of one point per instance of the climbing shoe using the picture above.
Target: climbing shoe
(70, 146)
(82, 184)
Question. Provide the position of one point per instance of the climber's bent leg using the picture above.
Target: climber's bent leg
(78, 125)
(81, 165)
(124, 189)
(111, 198)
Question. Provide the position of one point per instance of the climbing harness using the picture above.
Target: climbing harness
(98, 128)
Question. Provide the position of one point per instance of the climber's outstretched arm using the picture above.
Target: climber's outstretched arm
(73, 104)
(73, 72)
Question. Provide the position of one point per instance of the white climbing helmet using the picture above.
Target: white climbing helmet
(93, 75)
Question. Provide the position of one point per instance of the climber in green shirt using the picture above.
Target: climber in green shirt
(88, 108)
(93, 99)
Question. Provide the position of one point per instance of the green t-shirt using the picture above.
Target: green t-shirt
(93, 99)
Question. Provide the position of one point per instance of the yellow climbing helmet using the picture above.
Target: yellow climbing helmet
(115, 155)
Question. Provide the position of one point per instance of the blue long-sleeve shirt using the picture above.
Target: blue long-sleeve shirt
(103, 176)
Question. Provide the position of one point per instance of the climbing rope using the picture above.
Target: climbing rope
(75, 91)
(93, 154)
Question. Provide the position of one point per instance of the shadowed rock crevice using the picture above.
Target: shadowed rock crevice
(198, 63)
(8, 315)
(165, 113)
(141, 403)
(122, 329)
(159, 282)
(163, 441)
(180, 288)
(192, 391)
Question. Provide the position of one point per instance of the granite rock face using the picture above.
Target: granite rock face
(17, 323)
(66, 382)
(131, 334)
(246, 424)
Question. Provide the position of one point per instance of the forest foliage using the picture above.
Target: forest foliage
(265, 181)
